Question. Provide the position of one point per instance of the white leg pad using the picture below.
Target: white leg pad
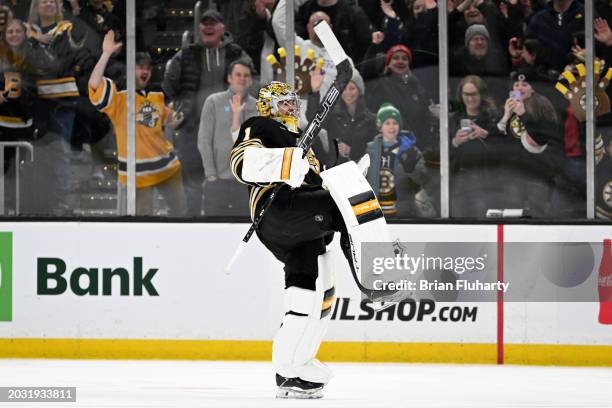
(303, 328)
(359, 207)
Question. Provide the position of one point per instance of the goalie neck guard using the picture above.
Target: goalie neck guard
(268, 104)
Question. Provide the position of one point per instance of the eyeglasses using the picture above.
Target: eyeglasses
(470, 94)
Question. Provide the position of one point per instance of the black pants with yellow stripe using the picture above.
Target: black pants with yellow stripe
(297, 227)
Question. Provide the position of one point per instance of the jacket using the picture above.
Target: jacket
(409, 156)
(215, 136)
(356, 131)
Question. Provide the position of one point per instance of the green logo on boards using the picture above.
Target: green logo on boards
(6, 276)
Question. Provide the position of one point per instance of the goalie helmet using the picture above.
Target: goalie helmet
(268, 104)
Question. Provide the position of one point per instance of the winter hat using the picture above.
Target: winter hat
(358, 81)
(398, 48)
(476, 29)
(526, 75)
(387, 111)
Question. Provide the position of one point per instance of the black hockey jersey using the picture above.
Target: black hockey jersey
(265, 132)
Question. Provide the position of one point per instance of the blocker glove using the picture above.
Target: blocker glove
(272, 165)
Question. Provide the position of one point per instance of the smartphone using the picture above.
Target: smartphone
(516, 95)
(465, 125)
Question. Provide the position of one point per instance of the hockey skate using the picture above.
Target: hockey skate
(296, 388)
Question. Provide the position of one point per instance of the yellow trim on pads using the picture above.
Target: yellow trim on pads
(467, 353)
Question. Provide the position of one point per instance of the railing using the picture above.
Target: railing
(17, 145)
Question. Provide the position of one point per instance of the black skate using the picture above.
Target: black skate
(298, 388)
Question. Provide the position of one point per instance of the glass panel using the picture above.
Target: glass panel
(508, 123)
(400, 69)
(49, 52)
(193, 46)
(603, 129)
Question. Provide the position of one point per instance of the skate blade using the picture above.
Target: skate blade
(291, 393)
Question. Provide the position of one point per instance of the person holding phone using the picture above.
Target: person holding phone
(534, 149)
(473, 149)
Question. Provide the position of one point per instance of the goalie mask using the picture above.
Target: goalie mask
(279, 102)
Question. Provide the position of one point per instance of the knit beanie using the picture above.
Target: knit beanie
(387, 111)
(398, 48)
(358, 81)
(476, 29)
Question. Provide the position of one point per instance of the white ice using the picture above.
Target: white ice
(187, 384)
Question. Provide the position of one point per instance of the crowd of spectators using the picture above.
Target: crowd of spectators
(515, 141)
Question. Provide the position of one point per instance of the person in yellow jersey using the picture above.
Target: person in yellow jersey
(157, 165)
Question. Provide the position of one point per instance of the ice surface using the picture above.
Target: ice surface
(186, 384)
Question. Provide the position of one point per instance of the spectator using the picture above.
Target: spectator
(531, 56)
(533, 150)
(474, 139)
(157, 166)
(61, 86)
(349, 23)
(256, 35)
(554, 26)
(222, 115)
(313, 42)
(192, 75)
(397, 168)
(351, 123)
(477, 57)
(99, 17)
(19, 8)
(419, 31)
(485, 12)
(400, 87)
(16, 93)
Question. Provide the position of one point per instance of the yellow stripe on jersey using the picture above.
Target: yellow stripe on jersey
(286, 166)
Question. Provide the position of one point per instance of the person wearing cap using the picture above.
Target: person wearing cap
(397, 169)
(533, 148)
(352, 123)
(157, 166)
(194, 73)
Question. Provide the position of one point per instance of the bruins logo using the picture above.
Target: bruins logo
(12, 84)
(517, 127)
(147, 115)
(387, 183)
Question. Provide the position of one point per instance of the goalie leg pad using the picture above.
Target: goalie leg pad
(303, 328)
(358, 206)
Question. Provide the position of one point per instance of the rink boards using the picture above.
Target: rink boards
(135, 290)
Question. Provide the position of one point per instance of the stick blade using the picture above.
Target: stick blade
(330, 42)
